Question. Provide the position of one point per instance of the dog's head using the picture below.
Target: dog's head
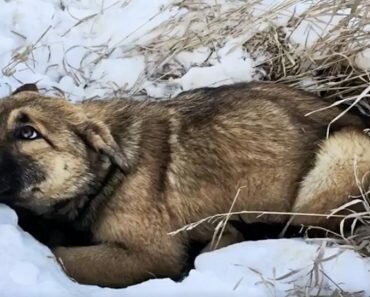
(50, 151)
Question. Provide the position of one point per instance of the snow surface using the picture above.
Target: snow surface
(256, 269)
(84, 48)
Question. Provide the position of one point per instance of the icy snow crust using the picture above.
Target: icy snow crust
(80, 48)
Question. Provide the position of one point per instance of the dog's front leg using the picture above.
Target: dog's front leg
(114, 266)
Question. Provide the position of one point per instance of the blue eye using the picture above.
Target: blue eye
(27, 133)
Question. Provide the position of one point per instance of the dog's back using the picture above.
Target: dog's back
(210, 142)
(256, 136)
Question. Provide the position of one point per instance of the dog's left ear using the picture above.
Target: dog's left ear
(98, 137)
(26, 88)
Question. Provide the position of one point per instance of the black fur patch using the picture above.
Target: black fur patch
(50, 232)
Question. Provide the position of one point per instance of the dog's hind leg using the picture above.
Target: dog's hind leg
(341, 170)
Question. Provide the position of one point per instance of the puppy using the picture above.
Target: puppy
(130, 172)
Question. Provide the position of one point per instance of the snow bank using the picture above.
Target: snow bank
(255, 269)
(84, 48)
(65, 44)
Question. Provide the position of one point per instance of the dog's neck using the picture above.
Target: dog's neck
(82, 211)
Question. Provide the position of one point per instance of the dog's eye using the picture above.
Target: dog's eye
(27, 133)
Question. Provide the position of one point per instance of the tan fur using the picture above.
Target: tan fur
(177, 162)
(342, 169)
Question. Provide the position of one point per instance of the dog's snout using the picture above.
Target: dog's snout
(9, 175)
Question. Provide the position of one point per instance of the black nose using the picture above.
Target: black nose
(10, 176)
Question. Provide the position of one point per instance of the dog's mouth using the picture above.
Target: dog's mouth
(6, 195)
(9, 196)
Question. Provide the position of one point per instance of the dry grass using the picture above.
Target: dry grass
(327, 66)
(314, 276)
(331, 61)
(311, 280)
(316, 281)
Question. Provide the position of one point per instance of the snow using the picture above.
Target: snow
(363, 59)
(234, 66)
(88, 48)
(60, 42)
(258, 269)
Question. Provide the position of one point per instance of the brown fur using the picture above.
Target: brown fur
(131, 172)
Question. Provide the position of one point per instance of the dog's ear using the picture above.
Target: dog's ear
(98, 136)
(26, 88)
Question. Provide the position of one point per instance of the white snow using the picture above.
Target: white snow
(235, 67)
(363, 59)
(256, 269)
(88, 48)
(74, 42)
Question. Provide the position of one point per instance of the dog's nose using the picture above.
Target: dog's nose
(9, 176)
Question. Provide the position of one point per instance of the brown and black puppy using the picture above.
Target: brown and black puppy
(130, 172)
